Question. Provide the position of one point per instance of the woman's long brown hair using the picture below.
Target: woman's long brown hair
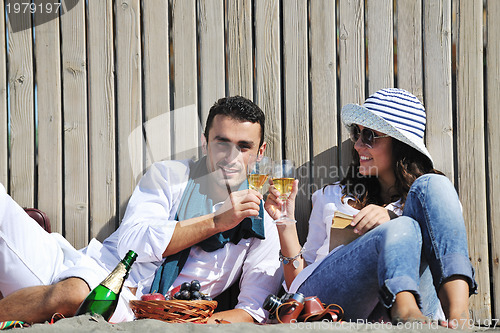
(409, 164)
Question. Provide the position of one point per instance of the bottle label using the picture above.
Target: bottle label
(114, 281)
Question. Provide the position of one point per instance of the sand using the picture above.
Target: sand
(87, 323)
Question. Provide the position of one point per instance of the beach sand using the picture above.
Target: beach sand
(88, 323)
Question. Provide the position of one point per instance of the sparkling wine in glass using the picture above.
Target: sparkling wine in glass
(283, 177)
(258, 171)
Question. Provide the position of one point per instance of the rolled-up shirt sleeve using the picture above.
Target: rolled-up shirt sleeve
(149, 221)
(261, 274)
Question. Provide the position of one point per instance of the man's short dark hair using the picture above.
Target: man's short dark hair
(238, 108)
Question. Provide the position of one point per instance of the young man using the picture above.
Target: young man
(186, 220)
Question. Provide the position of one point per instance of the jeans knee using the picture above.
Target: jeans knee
(402, 230)
(434, 182)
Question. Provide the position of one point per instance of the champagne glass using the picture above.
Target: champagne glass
(283, 177)
(257, 172)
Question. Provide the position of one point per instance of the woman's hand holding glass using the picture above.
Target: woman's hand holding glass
(280, 193)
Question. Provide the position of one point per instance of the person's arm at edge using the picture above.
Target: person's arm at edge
(233, 316)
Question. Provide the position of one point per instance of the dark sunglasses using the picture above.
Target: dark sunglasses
(367, 135)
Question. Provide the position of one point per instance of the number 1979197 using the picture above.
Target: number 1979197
(32, 8)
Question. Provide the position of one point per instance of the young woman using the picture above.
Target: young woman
(413, 244)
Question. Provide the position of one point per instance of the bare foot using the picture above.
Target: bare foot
(454, 297)
(405, 310)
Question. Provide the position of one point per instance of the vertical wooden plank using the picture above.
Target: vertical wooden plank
(493, 119)
(323, 40)
(128, 98)
(380, 40)
(352, 66)
(212, 81)
(156, 80)
(268, 71)
(21, 95)
(438, 87)
(239, 47)
(102, 132)
(48, 79)
(471, 154)
(4, 148)
(75, 126)
(409, 47)
(186, 120)
(297, 125)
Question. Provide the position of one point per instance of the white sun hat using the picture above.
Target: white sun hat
(391, 111)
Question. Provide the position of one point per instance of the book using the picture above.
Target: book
(341, 220)
(341, 232)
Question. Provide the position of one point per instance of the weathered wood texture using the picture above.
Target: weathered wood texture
(185, 117)
(352, 66)
(89, 100)
(296, 102)
(409, 46)
(156, 74)
(212, 78)
(102, 129)
(323, 99)
(380, 49)
(76, 156)
(239, 47)
(438, 84)
(4, 151)
(22, 113)
(471, 148)
(492, 122)
(128, 98)
(48, 80)
(268, 71)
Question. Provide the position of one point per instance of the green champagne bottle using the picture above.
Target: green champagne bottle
(103, 299)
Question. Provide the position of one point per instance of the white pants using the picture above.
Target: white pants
(29, 256)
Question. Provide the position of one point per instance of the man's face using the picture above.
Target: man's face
(229, 147)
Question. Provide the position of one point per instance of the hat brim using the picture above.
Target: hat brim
(358, 114)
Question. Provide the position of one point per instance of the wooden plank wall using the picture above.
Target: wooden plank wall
(493, 142)
(471, 143)
(4, 160)
(90, 99)
(103, 219)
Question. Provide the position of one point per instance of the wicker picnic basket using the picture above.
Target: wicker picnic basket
(174, 311)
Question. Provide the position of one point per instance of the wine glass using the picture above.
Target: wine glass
(283, 177)
(258, 171)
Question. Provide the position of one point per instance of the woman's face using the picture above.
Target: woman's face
(376, 161)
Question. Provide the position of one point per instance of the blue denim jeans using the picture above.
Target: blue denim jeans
(425, 246)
